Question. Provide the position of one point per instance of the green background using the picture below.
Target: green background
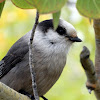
(15, 22)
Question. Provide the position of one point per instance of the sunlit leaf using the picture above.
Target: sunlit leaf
(1, 7)
(43, 6)
(56, 19)
(24, 4)
(89, 8)
(49, 6)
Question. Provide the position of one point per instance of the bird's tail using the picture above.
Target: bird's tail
(1, 67)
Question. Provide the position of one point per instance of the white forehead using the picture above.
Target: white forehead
(69, 27)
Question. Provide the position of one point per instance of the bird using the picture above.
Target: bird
(50, 48)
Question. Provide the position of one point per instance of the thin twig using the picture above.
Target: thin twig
(34, 85)
(34, 27)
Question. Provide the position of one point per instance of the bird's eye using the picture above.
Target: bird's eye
(61, 31)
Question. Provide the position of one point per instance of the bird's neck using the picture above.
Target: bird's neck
(50, 56)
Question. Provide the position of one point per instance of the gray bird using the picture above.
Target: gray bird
(50, 49)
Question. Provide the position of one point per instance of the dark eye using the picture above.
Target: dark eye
(61, 31)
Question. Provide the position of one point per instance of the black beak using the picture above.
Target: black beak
(75, 39)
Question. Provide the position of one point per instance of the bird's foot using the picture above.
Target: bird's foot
(27, 94)
(44, 98)
(30, 96)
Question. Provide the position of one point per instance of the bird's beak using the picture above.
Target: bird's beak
(75, 39)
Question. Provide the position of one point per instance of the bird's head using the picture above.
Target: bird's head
(62, 37)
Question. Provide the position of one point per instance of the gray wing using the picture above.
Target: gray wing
(14, 56)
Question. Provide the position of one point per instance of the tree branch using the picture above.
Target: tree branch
(97, 55)
(34, 85)
(93, 73)
(89, 69)
(6, 93)
(97, 39)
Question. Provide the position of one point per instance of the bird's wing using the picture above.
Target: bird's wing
(14, 56)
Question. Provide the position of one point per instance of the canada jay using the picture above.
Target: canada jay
(50, 48)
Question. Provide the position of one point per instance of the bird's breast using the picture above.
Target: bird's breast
(48, 69)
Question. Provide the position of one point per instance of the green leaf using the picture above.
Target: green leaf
(89, 8)
(49, 6)
(43, 6)
(1, 7)
(56, 19)
(24, 4)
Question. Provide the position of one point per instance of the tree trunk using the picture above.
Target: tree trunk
(92, 72)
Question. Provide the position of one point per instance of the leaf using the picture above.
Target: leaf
(1, 7)
(56, 19)
(89, 8)
(43, 6)
(24, 4)
(49, 6)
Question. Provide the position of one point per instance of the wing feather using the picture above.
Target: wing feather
(14, 56)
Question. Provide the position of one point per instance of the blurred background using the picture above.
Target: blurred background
(15, 22)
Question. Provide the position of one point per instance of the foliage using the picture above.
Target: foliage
(56, 19)
(1, 6)
(47, 6)
(89, 8)
(22, 4)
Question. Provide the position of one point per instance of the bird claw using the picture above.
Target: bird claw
(44, 98)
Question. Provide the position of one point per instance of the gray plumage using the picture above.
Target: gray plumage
(50, 48)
